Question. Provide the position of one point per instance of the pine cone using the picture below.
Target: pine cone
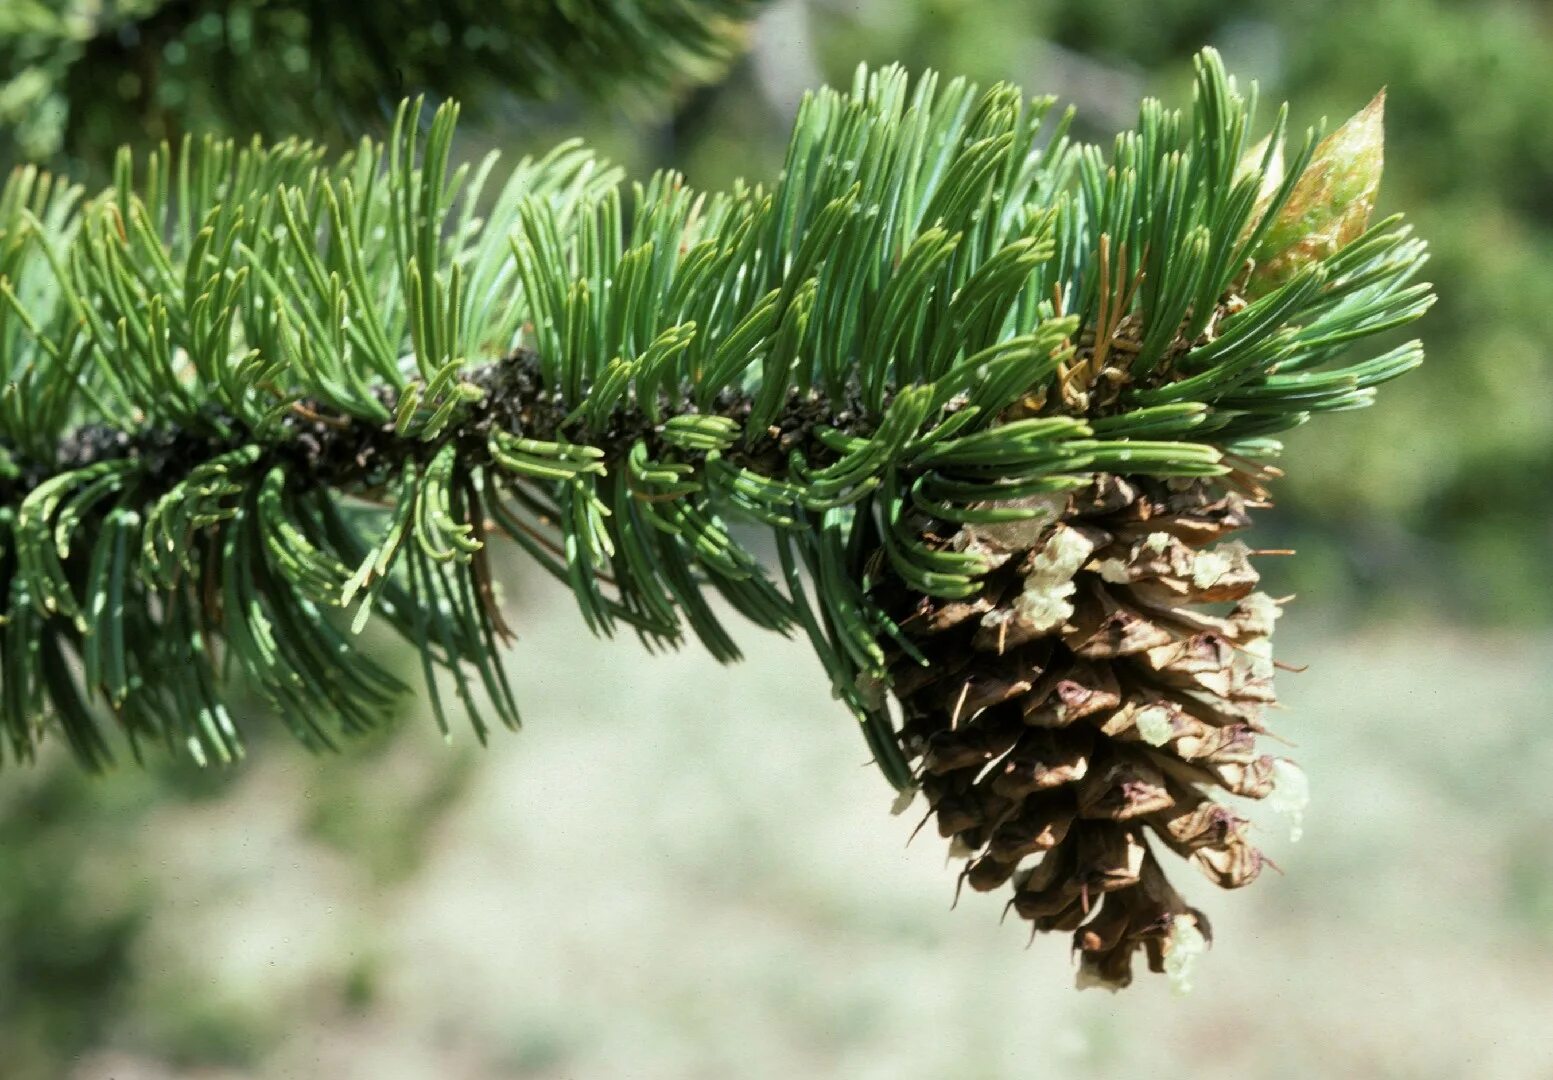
(1078, 713)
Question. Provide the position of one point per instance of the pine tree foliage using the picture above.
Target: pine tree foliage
(255, 396)
(76, 78)
(991, 395)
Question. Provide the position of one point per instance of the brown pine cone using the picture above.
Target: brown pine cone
(1082, 710)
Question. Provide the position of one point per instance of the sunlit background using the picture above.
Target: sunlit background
(682, 870)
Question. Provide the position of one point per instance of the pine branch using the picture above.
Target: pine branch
(230, 326)
(991, 394)
(76, 81)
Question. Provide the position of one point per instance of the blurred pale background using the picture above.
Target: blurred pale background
(680, 870)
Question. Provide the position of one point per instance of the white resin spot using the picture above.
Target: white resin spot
(1182, 948)
(1290, 795)
(1154, 725)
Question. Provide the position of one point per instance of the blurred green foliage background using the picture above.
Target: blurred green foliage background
(547, 907)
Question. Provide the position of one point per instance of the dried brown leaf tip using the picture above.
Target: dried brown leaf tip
(1093, 708)
(1331, 203)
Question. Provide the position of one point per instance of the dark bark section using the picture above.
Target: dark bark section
(320, 450)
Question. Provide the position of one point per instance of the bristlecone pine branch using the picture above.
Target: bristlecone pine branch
(74, 77)
(998, 400)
